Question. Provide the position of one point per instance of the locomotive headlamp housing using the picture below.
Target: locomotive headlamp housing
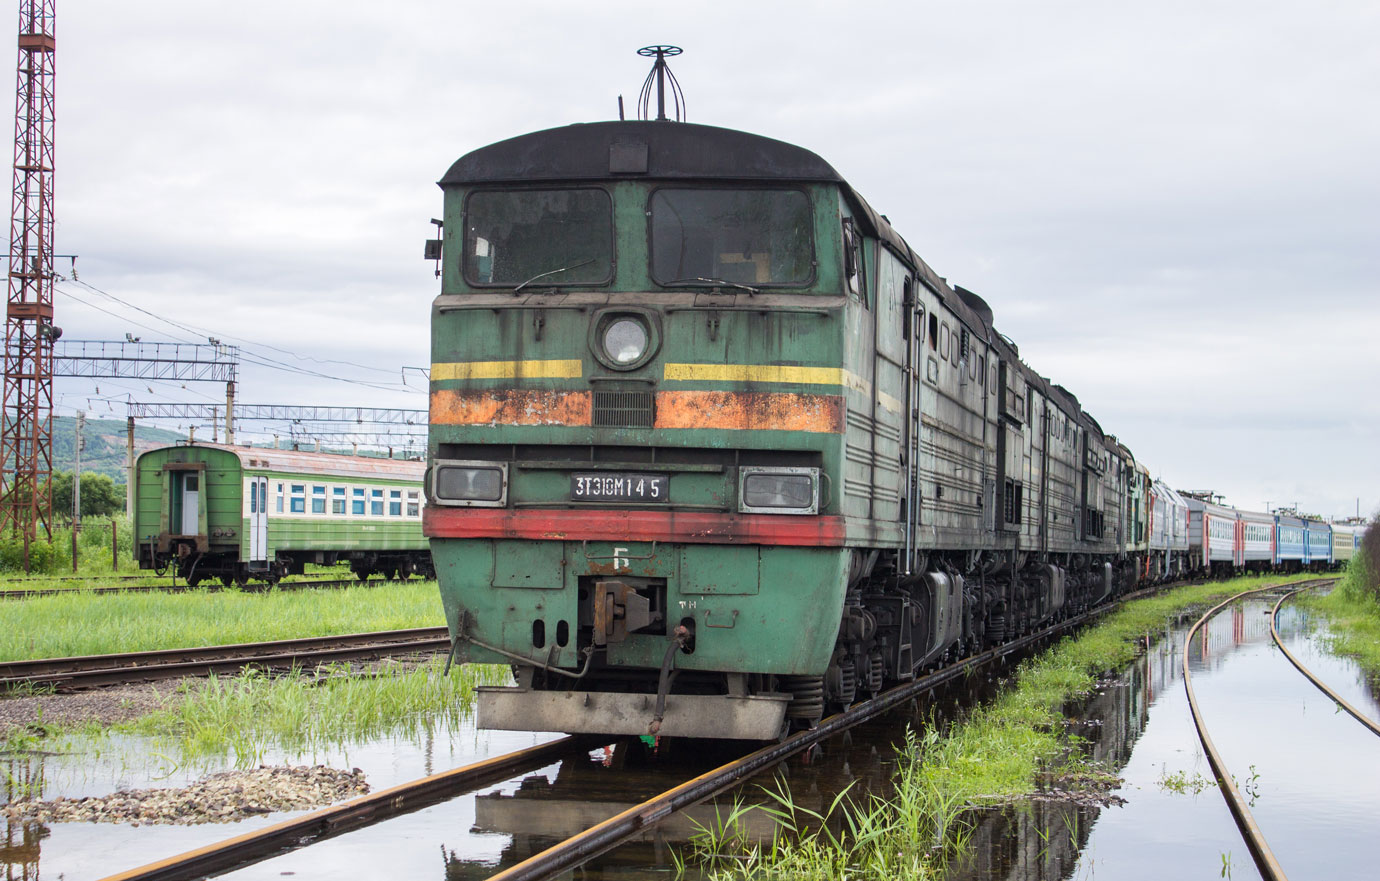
(778, 490)
(624, 338)
(473, 484)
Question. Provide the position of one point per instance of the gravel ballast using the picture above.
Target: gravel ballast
(224, 797)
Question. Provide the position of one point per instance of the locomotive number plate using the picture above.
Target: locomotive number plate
(619, 486)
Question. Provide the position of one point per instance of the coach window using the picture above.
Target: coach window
(376, 503)
(414, 507)
(395, 503)
(337, 500)
(357, 502)
(298, 504)
(280, 498)
(934, 331)
(944, 341)
(318, 500)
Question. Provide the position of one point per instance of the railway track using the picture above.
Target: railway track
(330, 584)
(1308, 674)
(1254, 838)
(252, 847)
(95, 671)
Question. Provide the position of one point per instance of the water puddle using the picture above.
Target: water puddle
(1311, 771)
(101, 766)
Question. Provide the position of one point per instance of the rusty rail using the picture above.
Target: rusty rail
(1308, 674)
(92, 671)
(1265, 861)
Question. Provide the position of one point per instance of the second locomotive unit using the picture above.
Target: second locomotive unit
(712, 448)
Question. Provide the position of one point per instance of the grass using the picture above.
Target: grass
(1352, 609)
(86, 624)
(998, 753)
(51, 560)
(251, 713)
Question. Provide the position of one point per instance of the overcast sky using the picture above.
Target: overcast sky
(1172, 208)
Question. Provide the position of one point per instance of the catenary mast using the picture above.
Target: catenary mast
(26, 425)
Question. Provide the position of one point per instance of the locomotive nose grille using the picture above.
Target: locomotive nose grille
(614, 409)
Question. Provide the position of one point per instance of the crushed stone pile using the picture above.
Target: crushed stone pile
(228, 796)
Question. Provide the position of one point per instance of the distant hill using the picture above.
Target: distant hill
(105, 444)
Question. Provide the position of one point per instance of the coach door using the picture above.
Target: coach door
(191, 497)
(258, 519)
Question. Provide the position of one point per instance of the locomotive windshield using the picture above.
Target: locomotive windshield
(749, 237)
(557, 237)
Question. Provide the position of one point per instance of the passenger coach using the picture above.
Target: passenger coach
(236, 513)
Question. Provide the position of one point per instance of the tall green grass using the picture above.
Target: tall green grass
(54, 558)
(998, 753)
(246, 715)
(1352, 609)
(87, 624)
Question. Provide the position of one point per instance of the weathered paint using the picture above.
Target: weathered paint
(750, 411)
(742, 411)
(510, 407)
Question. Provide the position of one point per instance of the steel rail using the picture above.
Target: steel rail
(1265, 861)
(90, 671)
(620, 827)
(287, 835)
(29, 593)
(1308, 674)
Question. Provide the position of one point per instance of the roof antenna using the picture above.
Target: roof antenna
(659, 74)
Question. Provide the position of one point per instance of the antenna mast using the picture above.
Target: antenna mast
(658, 77)
(26, 424)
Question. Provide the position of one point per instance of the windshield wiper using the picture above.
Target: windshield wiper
(714, 281)
(553, 272)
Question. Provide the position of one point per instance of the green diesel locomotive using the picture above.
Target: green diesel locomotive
(236, 513)
(712, 449)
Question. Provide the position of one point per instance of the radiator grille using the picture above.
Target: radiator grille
(623, 409)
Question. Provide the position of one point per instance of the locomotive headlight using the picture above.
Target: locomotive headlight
(470, 483)
(625, 340)
(778, 490)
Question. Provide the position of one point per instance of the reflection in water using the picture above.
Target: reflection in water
(20, 849)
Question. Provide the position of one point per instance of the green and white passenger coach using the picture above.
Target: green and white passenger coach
(236, 513)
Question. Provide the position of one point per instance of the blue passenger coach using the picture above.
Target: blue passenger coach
(1318, 541)
(1290, 546)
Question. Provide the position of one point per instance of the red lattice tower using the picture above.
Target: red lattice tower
(26, 425)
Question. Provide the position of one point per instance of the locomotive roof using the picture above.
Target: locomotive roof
(619, 150)
(303, 462)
